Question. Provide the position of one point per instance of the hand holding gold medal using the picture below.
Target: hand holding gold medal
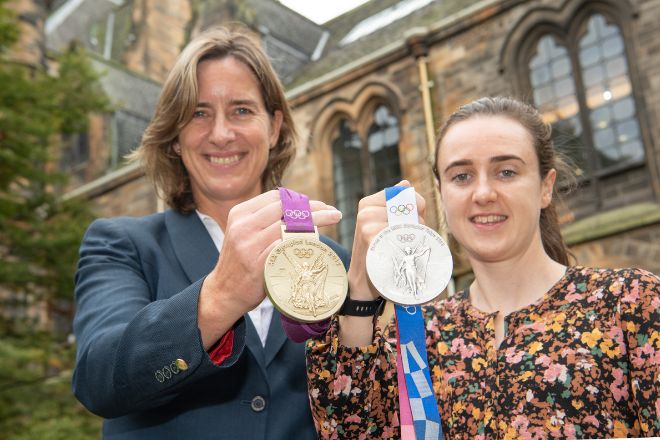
(304, 278)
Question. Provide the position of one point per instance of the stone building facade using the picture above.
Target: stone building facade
(370, 87)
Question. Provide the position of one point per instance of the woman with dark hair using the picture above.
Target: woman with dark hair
(176, 338)
(534, 347)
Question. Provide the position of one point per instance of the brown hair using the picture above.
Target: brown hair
(541, 134)
(177, 103)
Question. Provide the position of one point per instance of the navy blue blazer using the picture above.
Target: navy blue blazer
(137, 289)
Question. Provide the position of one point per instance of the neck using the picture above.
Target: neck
(507, 286)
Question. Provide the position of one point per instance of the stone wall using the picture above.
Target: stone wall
(133, 198)
(162, 31)
(636, 248)
(30, 48)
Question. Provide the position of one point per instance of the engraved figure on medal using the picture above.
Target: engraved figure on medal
(305, 280)
(410, 267)
(307, 289)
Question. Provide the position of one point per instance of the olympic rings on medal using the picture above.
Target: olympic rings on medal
(303, 253)
(406, 238)
(297, 214)
(402, 209)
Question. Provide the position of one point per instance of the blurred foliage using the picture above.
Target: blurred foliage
(39, 238)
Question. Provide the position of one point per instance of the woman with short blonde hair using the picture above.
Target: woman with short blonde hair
(177, 102)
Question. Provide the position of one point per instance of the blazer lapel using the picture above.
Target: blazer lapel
(192, 244)
(253, 342)
(276, 338)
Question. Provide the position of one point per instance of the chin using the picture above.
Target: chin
(239, 192)
(487, 254)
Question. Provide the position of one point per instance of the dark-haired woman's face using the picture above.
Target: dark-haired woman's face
(492, 191)
(225, 145)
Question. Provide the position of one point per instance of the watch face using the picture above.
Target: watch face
(305, 279)
(409, 264)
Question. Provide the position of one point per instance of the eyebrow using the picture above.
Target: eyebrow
(248, 102)
(494, 159)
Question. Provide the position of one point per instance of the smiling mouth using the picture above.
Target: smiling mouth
(488, 219)
(226, 160)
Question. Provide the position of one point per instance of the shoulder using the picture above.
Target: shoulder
(629, 287)
(126, 221)
(124, 232)
(615, 280)
(127, 224)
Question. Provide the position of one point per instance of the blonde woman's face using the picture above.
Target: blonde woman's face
(225, 145)
(492, 191)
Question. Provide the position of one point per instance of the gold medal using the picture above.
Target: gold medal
(304, 278)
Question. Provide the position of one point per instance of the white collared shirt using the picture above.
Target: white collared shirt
(263, 313)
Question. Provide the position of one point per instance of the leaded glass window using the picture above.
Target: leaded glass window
(363, 167)
(347, 172)
(598, 98)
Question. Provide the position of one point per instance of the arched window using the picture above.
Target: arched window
(583, 89)
(383, 141)
(363, 164)
(347, 173)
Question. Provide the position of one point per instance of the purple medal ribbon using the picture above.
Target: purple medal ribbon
(297, 217)
(296, 212)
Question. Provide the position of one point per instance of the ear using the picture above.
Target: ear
(176, 148)
(275, 126)
(547, 186)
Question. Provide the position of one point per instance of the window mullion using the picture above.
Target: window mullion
(367, 175)
(587, 129)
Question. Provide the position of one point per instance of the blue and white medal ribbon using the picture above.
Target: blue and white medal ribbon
(410, 264)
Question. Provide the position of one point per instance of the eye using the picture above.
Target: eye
(199, 114)
(460, 177)
(507, 173)
(244, 111)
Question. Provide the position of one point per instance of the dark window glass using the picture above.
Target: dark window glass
(347, 173)
(383, 142)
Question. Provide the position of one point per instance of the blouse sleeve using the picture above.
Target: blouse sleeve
(353, 391)
(640, 316)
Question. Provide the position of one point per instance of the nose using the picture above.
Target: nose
(222, 130)
(484, 192)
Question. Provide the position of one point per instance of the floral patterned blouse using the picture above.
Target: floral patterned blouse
(581, 362)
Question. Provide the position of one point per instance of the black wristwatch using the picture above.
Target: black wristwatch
(354, 307)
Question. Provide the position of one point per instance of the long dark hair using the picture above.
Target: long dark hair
(541, 133)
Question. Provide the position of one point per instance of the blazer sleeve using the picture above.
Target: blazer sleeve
(133, 352)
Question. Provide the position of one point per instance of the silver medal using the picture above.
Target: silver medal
(409, 264)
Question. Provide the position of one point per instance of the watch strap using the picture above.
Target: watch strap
(354, 307)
